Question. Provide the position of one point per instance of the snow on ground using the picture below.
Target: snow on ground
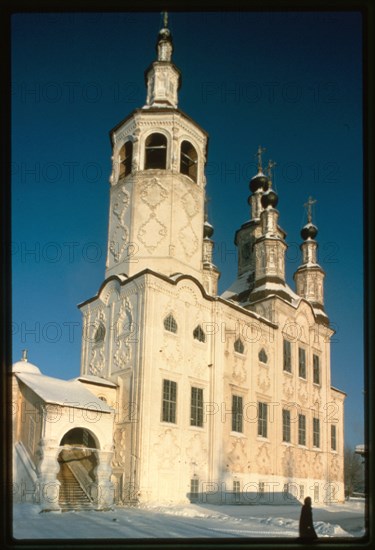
(187, 521)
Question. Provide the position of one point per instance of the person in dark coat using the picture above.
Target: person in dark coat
(306, 526)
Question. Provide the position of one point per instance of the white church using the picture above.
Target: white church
(185, 395)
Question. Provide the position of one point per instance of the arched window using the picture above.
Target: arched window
(199, 334)
(189, 160)
(99, 334)
(156, 152)
(238, 346)
(126, 159)
(170, 324)
(263, 356)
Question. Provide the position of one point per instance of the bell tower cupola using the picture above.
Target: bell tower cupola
(163, 79)
(157, 193)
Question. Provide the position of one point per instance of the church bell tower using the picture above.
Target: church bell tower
(157, 193)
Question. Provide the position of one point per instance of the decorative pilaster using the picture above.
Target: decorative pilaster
(210, 272)
(105, 492)
(48, 486)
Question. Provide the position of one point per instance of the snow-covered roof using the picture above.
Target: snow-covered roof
(69, 393)
(95, 380)
(241, 285)
(25, 366)
(237, 287)
(278, 286)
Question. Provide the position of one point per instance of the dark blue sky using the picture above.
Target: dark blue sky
(288, 81)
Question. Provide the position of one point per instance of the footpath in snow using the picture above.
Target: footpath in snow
(187, 521)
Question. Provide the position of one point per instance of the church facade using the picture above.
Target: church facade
(199, 396)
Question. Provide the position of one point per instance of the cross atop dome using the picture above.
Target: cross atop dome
(308, 205)
(165, 19)
(271, 165)
(258, 154)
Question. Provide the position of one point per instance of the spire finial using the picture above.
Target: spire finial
(24, 355)
(258, 154)
(165, 19)
(308, 205)
(271, 165)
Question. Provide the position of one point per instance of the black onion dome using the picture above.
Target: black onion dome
(208, 230)
(269, 198)
(309, 231)
(257, 182)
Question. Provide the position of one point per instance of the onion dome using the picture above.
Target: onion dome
(309, 231)
(24, 366)
(269, 198)
(165, 34)
(208, 230)
(258, 182)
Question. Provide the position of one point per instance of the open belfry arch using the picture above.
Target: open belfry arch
(202, 396)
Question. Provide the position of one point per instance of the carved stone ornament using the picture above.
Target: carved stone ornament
(197, 451)
(120, 203)
(119, 448)
(153, 193)
(190, 204)
(152, 233)
(237, 456)
(239, 373)
(118, 242)
(188, 240)
(263, 379)
(166, 450)
(263, 459)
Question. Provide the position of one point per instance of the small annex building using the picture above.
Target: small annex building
(62, 433)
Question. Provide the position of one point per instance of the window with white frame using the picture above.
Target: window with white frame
(238, 346)
(316, 369)
(194, 487)
(237, 413)
(301, 429)
(286, 425)
(333, 438)
(198, 334)
(301, 362)
(169, 401)
(170, 324)
(262, 419)
(287, 355)
(196, 414)
(316, 432)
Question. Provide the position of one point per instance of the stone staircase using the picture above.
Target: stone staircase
(72, 496)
